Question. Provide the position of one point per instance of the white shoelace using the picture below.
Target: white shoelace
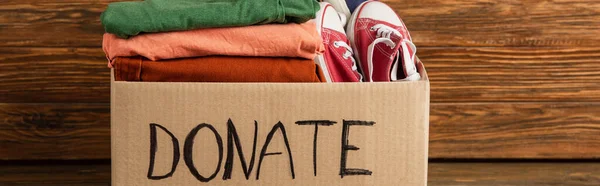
(384, 34)
(348, 54)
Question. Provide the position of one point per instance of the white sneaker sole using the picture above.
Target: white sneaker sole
(350, 35)
(320, 59)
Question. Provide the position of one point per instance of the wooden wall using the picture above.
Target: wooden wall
(515, 91)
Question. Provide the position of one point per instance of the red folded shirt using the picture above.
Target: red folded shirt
(218, 69)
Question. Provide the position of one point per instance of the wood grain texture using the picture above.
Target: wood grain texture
(461, 131)
(501, 22)
(512, 74)
(440, 174)
(51, 23)
(33, 75)
(515, 130)
(55, 175)
(54, 131)
(514, 174)
(70, 23)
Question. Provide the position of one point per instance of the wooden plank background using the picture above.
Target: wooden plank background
(510, 80)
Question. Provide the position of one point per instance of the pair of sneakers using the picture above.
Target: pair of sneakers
(375, 46)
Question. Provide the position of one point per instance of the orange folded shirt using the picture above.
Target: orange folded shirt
(272, 40)
(218, 69)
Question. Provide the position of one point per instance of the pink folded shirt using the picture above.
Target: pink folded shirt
(273, 40)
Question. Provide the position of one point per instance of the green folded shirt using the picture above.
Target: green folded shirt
(126, 19)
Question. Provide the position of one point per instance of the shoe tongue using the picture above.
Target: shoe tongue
(398, 47)
(383, 59)
(398, 41)
(386, 55)
(391, 51)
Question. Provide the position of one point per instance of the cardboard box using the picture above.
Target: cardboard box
(291, 134)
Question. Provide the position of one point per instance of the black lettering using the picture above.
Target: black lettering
(153, 149)
(263, 152)
(316, 123)
(346, 147)
(232, 137)
(188, 152)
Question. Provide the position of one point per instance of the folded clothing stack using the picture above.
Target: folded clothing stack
(213, 41)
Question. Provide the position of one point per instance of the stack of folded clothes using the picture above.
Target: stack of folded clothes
(213, 41)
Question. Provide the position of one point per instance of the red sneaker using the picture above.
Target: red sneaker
(337, 61)
(383, 46)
